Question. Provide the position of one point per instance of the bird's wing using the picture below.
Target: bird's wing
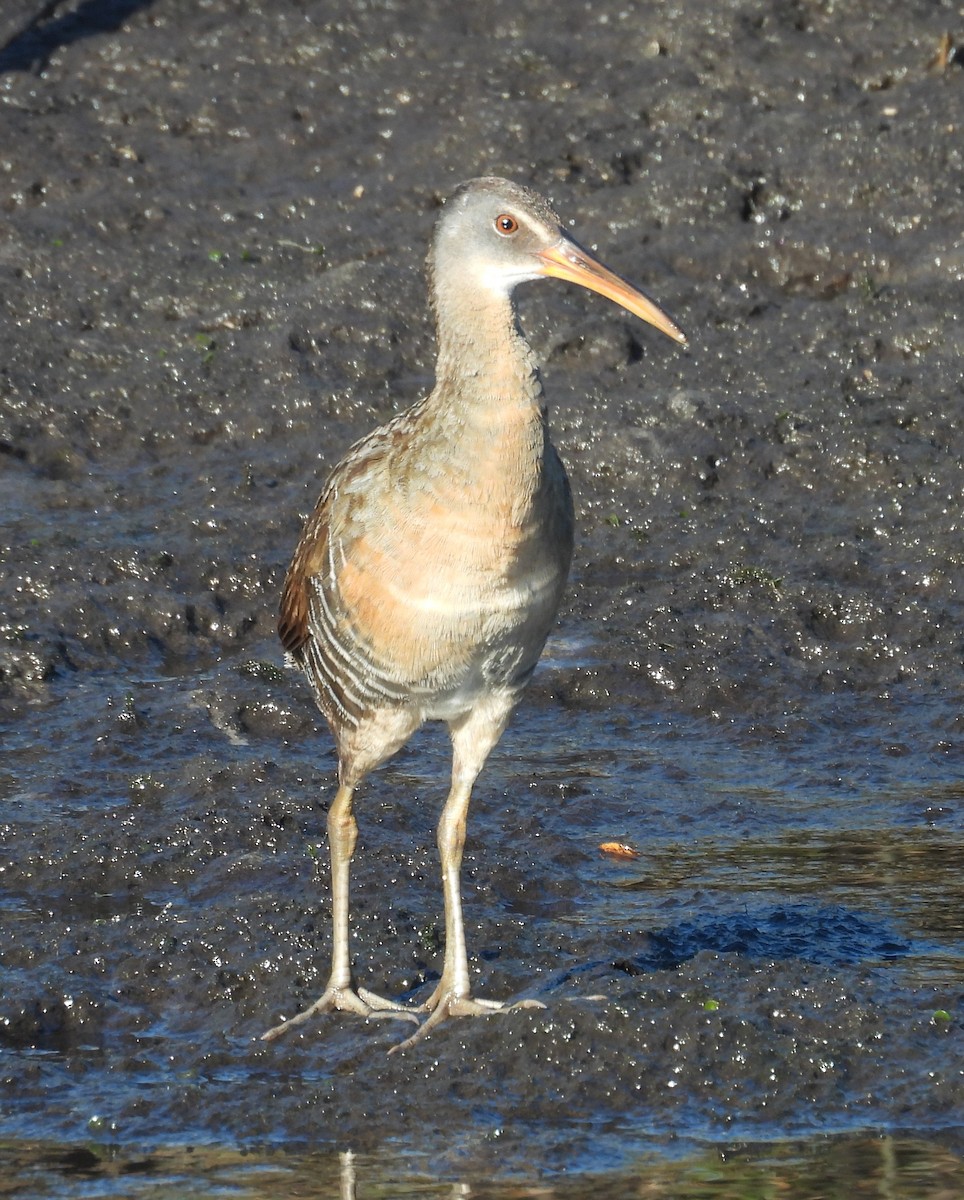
(350, 678)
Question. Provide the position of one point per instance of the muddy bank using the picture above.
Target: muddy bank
(212, 222)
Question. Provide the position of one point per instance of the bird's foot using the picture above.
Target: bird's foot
(442, 1005)
(359, 1001)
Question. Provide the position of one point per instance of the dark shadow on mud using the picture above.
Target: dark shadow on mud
(830, 936)
(30, 49)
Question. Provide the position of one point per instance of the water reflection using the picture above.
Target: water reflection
(854, 1167)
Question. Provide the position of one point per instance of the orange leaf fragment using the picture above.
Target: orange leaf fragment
(619, 850)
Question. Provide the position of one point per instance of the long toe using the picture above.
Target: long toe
(450, 1005)
(380, 1006)
(361, 1003)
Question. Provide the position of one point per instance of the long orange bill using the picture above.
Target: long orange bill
(568, 260)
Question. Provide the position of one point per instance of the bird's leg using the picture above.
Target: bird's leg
(472, 739)
(340, 994)
(451, 843)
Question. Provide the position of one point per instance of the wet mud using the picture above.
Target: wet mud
(213, 218)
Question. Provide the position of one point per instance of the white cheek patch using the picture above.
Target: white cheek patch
(500, 280)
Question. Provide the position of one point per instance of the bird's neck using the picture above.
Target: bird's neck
(485, 367)
(485, 419)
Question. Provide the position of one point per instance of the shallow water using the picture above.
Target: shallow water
(858, 1166)
(767, 968)
(211, 221)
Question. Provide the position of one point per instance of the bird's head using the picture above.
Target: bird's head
(495, 234)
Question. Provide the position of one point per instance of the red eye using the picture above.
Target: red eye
(506, 224)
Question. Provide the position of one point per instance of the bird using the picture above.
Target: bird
(429, 575)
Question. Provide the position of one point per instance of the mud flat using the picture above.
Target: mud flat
(212, 223)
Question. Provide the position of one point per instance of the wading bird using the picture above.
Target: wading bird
(429, 575)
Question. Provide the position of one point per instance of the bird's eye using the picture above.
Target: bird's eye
(506, 224)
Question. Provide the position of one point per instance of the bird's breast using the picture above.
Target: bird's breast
(456, 571)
